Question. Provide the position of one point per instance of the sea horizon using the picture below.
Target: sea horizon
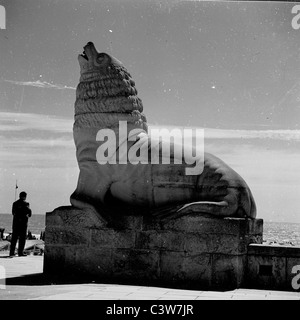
(274, 232)
(265, 220)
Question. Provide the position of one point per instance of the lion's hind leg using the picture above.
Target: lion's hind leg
(225, 208)
(201, 207)
(221, 209)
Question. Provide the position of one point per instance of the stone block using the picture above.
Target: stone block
(208, 224)
(136, 264)
(67, 235)
(228, 271)
(266, 272)
(226, 244)
(109, 238)
(274, 250)
(270, 266)
(293, 273)
(131, 222)
(191, 242)
(182, 269)
(95, 262)
(68, 215)
(254, 226)
(192, 251)
(54, 259)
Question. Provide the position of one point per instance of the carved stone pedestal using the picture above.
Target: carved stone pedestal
(193, 251)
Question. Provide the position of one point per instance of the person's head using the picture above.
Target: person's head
(23, 195)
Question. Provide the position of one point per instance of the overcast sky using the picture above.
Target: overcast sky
(231, 68)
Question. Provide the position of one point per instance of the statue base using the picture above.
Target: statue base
(193, 251)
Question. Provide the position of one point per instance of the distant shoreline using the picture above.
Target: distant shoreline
(267, 221)
(274, 232)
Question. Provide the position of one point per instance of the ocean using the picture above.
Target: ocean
(274, 232)
(282, 233)
(36, 223)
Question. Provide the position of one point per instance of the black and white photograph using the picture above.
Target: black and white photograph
(150, 150)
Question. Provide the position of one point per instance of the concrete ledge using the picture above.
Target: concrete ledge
(274, 250)
(271, 267)
(192, 251)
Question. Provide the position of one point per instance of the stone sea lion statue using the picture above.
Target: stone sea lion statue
(105, 98)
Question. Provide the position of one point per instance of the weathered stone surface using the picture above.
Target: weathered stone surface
(68, 235)
(54, 259)
(207, 224)
(259, 279)
(270, 266)
(131, 222)
(191, 242)
(228, 270)
(147, 251)
(273, 250)
(109, 238)
(254, 227)
(292, 271)
(180, 268)
(144, 221)
(94, 262)
(106, 96)
(69, 215)
(136, 264)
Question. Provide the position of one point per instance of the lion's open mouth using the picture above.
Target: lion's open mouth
(85, 56)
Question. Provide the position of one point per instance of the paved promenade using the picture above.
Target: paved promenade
(21, 278)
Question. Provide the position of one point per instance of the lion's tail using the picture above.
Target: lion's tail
(234, 204)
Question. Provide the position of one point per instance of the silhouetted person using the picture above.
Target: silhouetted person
(42, 236)
(21, 213)
(1, 233)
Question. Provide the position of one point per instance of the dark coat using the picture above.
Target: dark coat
(21, 212)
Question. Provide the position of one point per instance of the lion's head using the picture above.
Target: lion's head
(92, 62)
(106, 92)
